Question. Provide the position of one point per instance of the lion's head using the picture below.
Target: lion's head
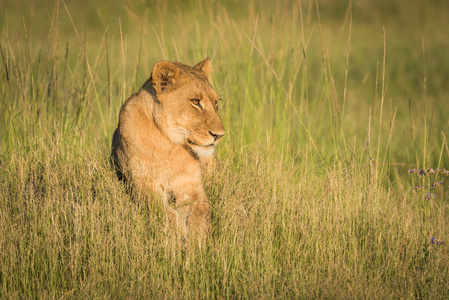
(186, 106)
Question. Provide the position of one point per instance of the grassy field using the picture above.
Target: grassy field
(327, 105)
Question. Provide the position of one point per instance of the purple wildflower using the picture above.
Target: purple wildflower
(434, 241)
(429, 196)
(443, 171)
(435, 185)
(412, 171)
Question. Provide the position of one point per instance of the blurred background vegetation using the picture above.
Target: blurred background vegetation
(137, 34)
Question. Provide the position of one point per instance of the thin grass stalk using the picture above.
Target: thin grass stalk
(440, 157)
(108, 72)
(445, 143)
(328, 86)
(346, 81)
(122, 48)
(248, 78)
(160, 42)
(306, 88)
(382, 98)
(270, 67)
(136, 80)
(371, 178)
(89, 69)
(425, 107)
(388, 142)
(8, 113)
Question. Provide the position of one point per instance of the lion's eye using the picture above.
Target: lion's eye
(196, 102)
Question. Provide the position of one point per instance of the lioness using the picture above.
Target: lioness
(166, 135)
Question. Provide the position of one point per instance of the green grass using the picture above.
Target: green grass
(324, 113)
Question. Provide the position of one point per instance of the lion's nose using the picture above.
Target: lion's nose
(216, 136)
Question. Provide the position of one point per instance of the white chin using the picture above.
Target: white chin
(203, 151)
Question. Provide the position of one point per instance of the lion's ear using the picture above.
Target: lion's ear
(206, 67)
(164, 76)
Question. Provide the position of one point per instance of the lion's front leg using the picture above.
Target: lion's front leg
(196, 217)
(193, 208)
(147, 187)
(198, 222)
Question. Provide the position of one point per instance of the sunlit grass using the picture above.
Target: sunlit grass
(324, 116)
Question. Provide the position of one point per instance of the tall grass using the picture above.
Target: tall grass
(325, 106)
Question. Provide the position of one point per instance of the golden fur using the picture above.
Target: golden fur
(166, 133)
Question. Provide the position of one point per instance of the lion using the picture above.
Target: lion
(165, 139)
